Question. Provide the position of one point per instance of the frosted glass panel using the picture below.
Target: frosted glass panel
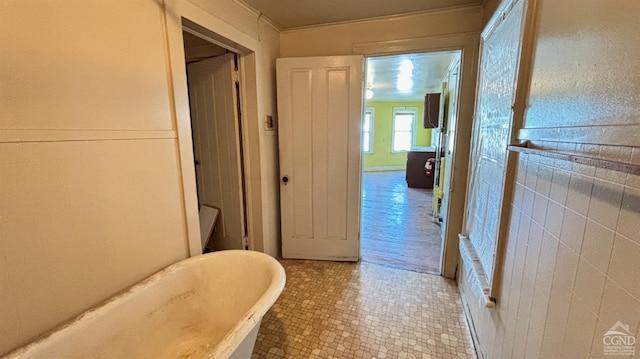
(498, 70)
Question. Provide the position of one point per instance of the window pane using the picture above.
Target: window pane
(403, 122)
(401, 141)
(366, 144)
(367, 122)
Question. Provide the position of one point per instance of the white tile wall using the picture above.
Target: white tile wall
(573, 229)
(628, 223)
(604, 205)
(579, 332)
(589, 285)
(572, 266)
(559, 186)
(597, 245)
(625, 265)
(579, 194)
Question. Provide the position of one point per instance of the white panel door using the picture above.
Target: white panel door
(320, 111)
(216, 146)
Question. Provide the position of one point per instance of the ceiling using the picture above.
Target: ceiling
(191, 41)
(407, 77)
(288, 14)
(196, 49)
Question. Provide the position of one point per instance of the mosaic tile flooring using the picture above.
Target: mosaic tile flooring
(363, 310)
(397, 226)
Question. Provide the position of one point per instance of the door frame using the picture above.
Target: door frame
(183, 15)
(223, 185)
(468, 45)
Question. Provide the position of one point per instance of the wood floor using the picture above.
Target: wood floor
(397, 229)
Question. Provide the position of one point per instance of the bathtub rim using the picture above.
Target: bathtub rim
(226, 345)
(253, 317)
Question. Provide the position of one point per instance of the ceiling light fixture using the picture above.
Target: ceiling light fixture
(369, 93)
(405, 76)
(406, 67)
(404, 84)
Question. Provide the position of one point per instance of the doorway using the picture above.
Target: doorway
(410, 102)
(216, 123)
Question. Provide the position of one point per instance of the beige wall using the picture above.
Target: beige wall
(572, 269)
(90, 185)
(338, 39)
(91, 174)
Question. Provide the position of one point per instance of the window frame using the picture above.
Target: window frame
(403, 110)
(373, 115)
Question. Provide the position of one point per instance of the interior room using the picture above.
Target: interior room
(102, 227)
(406, 101)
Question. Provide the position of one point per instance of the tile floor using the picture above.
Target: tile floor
(397, 226)
(363, 310)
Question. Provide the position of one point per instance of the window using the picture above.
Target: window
(404, 119)
(367, 131)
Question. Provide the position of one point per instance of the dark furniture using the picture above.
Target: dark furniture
(416, 175)
(431, 110)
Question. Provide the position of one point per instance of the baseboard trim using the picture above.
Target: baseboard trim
(384, 168)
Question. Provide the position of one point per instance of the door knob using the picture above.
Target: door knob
(285, 179)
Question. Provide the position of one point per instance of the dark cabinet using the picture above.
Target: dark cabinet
(416, 174)
(431, 110)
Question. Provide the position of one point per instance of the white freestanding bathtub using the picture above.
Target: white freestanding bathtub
(209, 306)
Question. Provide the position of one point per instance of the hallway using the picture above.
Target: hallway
(397, 229)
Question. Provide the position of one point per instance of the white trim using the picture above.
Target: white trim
(418, 45)
(269, 23)
(371, 127)
(401, 109)
(247, 7)
(259, 15)
(396, 17)
(28, 135)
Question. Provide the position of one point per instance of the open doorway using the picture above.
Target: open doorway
(411, 102)
(214, 102)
